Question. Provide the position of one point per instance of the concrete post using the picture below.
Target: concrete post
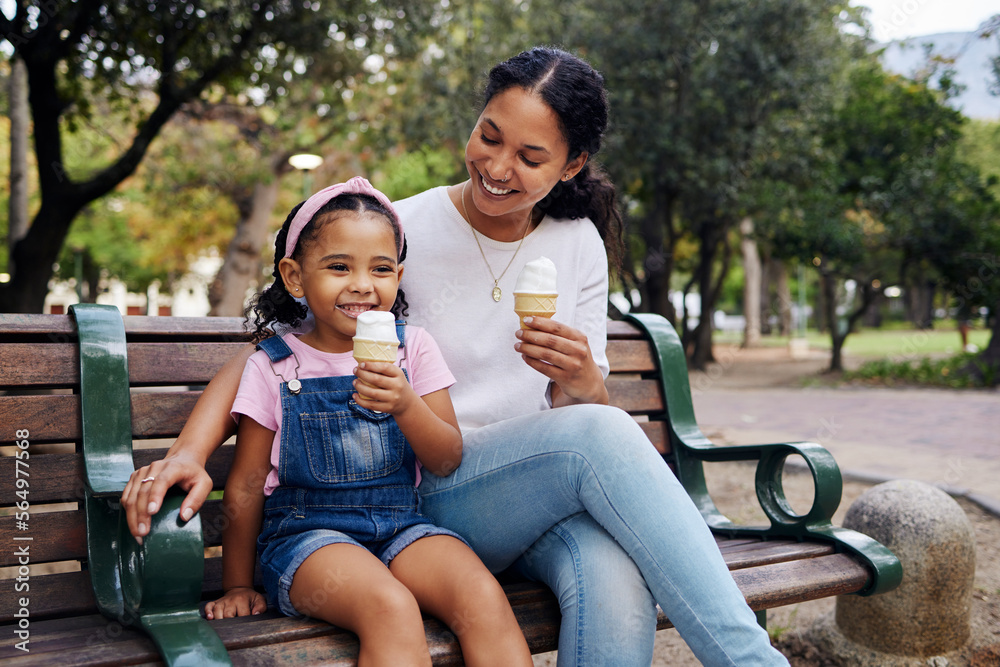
(929, 613)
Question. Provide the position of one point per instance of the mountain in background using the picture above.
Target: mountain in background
(973, 67)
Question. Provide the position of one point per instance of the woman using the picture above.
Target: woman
(575, 496)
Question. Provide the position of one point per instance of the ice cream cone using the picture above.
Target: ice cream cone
(530, 304)
(374, 350)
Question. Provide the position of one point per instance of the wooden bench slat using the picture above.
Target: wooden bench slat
(55, 478)
(55, 536)
(48, 417)
(800, 581)
(635, 396)
(60, 327)
(621, 330)
(107, 644)
(56, 417)
(52, 365)
(766, 553)
(62, 594)
(631, 356)
(179, 363)
(659, 435)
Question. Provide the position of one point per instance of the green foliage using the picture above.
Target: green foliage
(980, 147)
(960, 371)
(406, 174)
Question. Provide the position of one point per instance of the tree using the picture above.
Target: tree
(889, 200)
(696, 92)
(17, 207)
(170, 53)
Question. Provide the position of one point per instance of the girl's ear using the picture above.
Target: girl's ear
(291, 275)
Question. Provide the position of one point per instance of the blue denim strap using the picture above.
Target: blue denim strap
(275, 348)
(401, 331)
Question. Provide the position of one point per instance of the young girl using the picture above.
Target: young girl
(323, 479)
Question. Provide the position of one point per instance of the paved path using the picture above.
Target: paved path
(947, 438)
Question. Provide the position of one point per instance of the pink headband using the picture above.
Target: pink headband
(355, 186)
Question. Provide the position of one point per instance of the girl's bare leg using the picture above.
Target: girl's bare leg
(347, 586)
(450, 582)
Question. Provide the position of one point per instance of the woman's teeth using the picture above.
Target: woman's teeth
(493, 190)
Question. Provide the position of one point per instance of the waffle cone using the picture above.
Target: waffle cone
(534, 305)
(374, 350)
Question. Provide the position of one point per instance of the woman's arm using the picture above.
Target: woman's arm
(208, 426)
(243, 506)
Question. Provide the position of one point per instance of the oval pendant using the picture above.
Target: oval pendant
(496, 293)
(294, 386)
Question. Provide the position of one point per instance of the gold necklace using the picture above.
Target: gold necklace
(496, 279)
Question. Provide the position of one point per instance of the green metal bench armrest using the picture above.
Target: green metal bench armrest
(690, 448)
(156, 585)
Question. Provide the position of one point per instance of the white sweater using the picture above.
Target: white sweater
(449, 291)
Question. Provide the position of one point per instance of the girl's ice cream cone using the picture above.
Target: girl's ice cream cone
(375, 338)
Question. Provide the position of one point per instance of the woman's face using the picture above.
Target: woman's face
(517, 138)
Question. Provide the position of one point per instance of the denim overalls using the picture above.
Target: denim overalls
(346, 475)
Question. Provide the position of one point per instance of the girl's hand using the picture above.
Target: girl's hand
(382, 386)
(562, 354)
(239, 601)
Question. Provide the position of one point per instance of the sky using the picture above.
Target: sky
(897, 19)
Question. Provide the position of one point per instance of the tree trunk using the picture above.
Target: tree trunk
(752, 279)
(828, 286)
(18, 204)
(766, 300)
(34, 256)
(713, 235)
(986, 366)
(920, 304)
(659, 261)
(779, 276)
(242, 265)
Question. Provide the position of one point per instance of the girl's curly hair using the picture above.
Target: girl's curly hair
(275, 304)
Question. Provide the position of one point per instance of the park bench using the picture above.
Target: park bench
(87, 397)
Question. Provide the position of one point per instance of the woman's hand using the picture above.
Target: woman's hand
(239, 601)
(562, 354)
(142, 499)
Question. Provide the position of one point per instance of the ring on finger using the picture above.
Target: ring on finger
(146, 479)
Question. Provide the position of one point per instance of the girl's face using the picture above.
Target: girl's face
(518, 138)
(349, 267)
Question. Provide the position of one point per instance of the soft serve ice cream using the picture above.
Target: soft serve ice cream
(375, 338)
(536, 290)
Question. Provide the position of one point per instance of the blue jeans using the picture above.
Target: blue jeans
(518, 496)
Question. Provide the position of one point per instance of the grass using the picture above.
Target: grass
(897, 344)
(944, 372)
(894, 356)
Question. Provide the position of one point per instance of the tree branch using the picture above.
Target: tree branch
(171, 99)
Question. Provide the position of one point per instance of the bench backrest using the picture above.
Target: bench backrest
(170, 360)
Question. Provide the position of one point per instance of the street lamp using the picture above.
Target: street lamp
(305, 162)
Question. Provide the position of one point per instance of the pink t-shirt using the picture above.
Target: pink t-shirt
(259, 393)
